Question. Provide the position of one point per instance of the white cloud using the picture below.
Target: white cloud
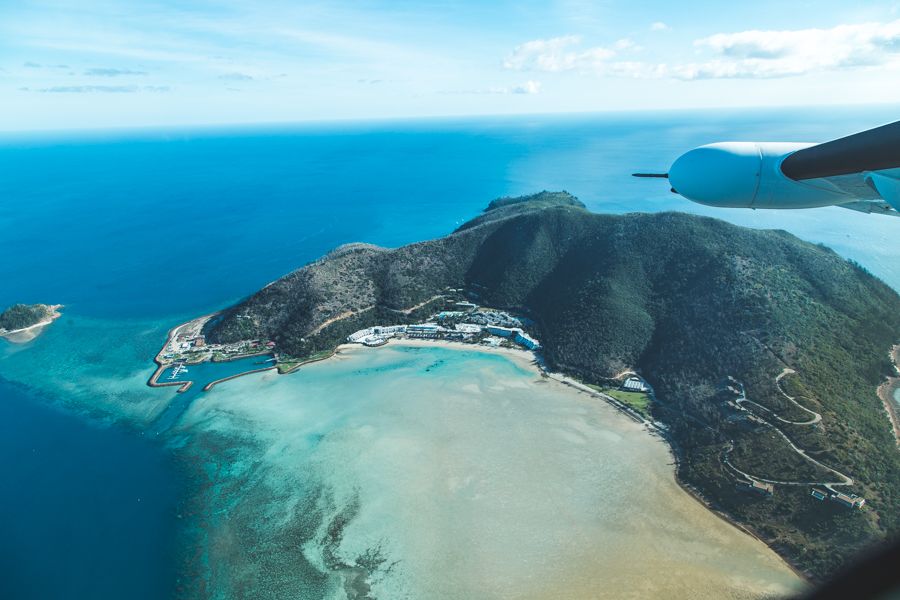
(529, 87)
(108, 72)
(746, 54)
(102, 89)
(236, 76)
(658, 26)
(637, 69)
(557, 54)
(784, 53)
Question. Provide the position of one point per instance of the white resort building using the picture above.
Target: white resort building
(375, 336)
(516, 334)
(635, 384)
(380, 334)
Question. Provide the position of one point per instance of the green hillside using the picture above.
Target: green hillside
(20, 316)
(685, 300)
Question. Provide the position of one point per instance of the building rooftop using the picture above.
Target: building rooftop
(759, 487)
(851, 500)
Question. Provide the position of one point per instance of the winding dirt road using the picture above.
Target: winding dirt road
(844, 479)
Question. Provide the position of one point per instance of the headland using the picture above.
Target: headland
(697, 343)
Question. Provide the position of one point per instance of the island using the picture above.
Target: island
(22, 323)
(756, 355)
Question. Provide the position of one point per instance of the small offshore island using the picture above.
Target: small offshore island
(22, 323)
(756, 355)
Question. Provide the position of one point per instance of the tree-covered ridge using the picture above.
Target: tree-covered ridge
(542, 199)
(688, 301)
(20, 316)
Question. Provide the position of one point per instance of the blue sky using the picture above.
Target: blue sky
(99, 63)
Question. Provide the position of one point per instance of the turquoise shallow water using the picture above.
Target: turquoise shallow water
(138, 231)
(200, 375)
(449, 473)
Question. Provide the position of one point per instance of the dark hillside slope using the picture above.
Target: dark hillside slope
(687, 301)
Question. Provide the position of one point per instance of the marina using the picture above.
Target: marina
(205, 373)
(178, 370)
(206, 376)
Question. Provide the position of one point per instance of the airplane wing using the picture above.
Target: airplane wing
(865, 165)
(879, 208)
(873, 150)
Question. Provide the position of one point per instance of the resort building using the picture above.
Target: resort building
(425, 331)
(357, 336)
(517, 335)
(848, 500)
(375, 336)
(388, 329)
(379, 334)
(498, 318)
(526, 340)
(449, 314)
(635, 384)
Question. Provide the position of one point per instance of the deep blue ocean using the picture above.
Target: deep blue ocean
(136, 231)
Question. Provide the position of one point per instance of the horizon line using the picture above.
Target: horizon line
(336, 122)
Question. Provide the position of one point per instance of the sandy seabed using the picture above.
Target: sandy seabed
(443, 471)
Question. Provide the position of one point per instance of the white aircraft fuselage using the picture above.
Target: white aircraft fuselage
(860, 172)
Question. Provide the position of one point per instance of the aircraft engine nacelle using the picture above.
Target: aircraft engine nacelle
(747, 175)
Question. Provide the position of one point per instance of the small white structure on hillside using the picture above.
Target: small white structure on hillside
(635, 384)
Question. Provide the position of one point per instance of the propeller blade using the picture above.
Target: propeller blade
(656, 175)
